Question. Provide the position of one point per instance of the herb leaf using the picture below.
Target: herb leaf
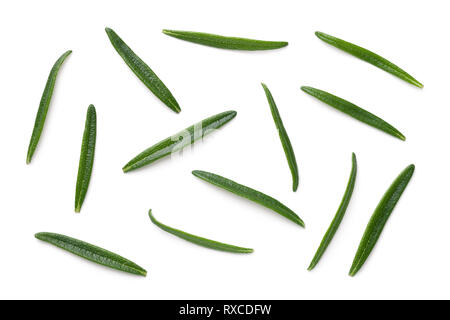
(86, 157)
(354, 111)
(44, 104)
(379, 218)
(179, 140)
(338, 217)
(91, 252)
(232, 43)
(369, 57)
(199, 240)
(143, 71)
(250, 194)
(287, 147)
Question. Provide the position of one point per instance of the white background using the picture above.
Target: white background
(411, 259)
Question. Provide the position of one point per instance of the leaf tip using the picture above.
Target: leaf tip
(354, 268)
(177, 108)
(233, 113)
(110, 32)
(416, 83)
(300, 222)
(41, 235)
(305, 89)
(150, 215)
(411, 167)
(199, 174)
(322, 36)
(66, 54)
(173, 105)
(295, 186)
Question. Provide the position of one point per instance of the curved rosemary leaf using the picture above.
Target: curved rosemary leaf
(250, 194)
(288, 150)
(199, 240)
(143, 71)
(338, 217)
(179, 140)
(44, 104)
(369, 57)
(354, 111)
(91, 252)
(380, 217)
(86, 157)
(232, 43)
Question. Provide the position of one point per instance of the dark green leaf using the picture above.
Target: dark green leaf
(338, 217)
(86, 157)
(369, 57)
(250, 194)
(143, 71)
(199, 240)
(379, 218)
(91, 252)
(233, 43)
(354, 111)
(179, 140)
(285, 142)
(44, 104)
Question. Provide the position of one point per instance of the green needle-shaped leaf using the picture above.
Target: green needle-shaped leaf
(338, 217)
(232, 43)
(44, 104)
(286, 143)
(143, 71)
(369, 57)
(179, 141)
(379, 218)
(250, 194)
(86, 157)
(199, 240)
(91, 252)
(354, 111)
